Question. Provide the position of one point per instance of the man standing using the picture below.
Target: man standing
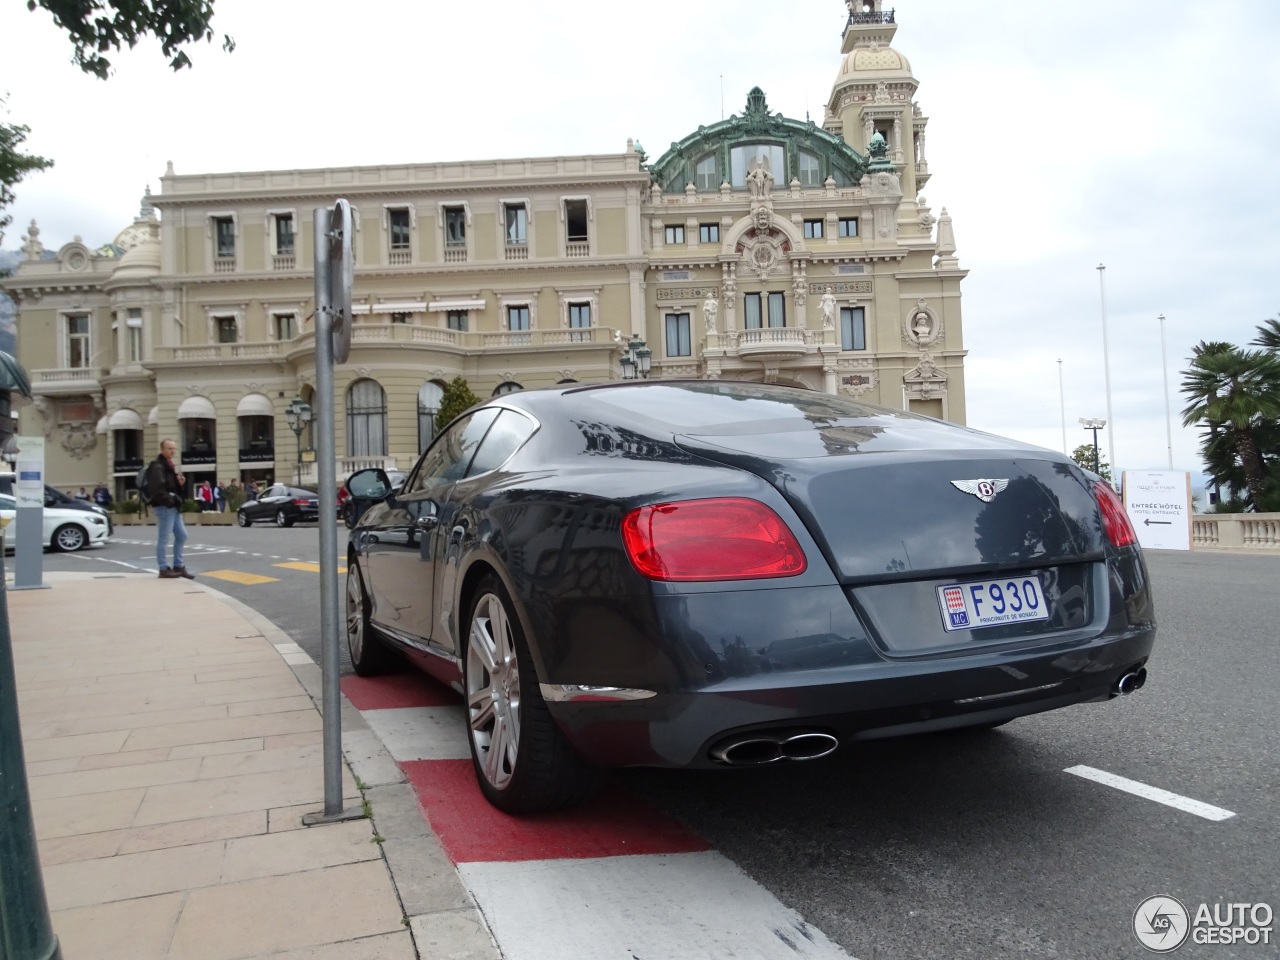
(164, 492)
(220, 496)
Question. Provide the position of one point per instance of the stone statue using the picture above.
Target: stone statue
(32, 248)
(828, 305)
(759, 178)
(710, 308)
(922, 326)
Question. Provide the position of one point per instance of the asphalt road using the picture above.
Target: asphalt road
(970, 845)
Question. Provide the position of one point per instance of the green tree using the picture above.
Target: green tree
(14, 164)
(457, 397)
(1235, 395)
(1268, 336)
(95, 28)
(1084, 457)
(98, 26)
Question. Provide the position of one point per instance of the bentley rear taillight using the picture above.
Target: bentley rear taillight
(1115, 522)
(726, 538)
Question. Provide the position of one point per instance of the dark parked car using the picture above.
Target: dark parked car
(709, 574)
(284, 506)
(53, 497)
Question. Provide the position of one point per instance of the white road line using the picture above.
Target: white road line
(1178, 802)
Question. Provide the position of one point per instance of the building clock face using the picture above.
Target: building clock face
(130, 237)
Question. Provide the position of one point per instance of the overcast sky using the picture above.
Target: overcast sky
(1141, 134)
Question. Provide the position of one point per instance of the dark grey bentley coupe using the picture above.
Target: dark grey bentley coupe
(706, 574)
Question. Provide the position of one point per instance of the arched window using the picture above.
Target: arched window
(509, 387)
(366, 419)
(771, 154)
(429, 396)
(706, 179)
(810, 173)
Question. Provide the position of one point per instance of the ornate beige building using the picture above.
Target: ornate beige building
(757, 248)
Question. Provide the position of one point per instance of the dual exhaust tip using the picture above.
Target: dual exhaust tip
(764, 747)
(1131, 681)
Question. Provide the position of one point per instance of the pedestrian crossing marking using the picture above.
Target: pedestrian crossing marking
(239, 576)
(305, 567)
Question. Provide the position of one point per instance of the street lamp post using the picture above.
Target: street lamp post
(1062, 407)
(1106, 365)
(1168, 421)
(298, 415)
(1095, 424)
(637, 359)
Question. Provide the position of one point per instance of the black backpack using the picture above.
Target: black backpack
(140, 481)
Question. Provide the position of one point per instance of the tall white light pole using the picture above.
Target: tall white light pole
(1106, 369)
(1062, 405)
(1168, 420)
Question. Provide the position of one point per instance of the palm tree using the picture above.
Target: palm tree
(1268, 336)
(1238, 392)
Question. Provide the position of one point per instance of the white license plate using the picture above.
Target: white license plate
(989, 603)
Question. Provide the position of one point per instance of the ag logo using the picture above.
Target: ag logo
(984, 490)
(1161, 924)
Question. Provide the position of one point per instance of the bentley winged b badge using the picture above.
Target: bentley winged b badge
(984, 490)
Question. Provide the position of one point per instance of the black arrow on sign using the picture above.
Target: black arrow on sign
(1164, 523)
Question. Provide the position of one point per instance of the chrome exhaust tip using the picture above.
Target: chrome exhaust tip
(809, 746)
(758, 749)
(1129, 683)
(748, 752)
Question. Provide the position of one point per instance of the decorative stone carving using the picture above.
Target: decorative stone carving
(762, 217)
(798, 289)
(925, 381)
(857, 287)
(48, 417)
(828, 309)
(78, 439)
(710, 309)
(32, 248)
(764, 255)
(921, 327)
(685, 293)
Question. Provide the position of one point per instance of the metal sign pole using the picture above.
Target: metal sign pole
(333, 264)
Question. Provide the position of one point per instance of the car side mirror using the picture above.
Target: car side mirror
(371, 484)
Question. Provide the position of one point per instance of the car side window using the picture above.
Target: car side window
(504, 438)
(448, 457)
(8, 503)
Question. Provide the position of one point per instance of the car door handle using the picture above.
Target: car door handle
(427, 523)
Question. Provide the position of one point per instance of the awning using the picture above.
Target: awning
(125, 419)
(399, 306)
(154, 415)
(101, 428)
(441, 306)
(254, 405)
(197, 408)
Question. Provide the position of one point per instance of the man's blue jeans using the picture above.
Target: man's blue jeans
(169, 523)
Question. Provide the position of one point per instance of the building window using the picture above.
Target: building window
(398, 228)
(286, 326)
(366, 419)
(575, 216)
(224, 232)
(848, 226)
(133, 335)
(517, 318)
(456, 320)
(517, 220)
(429, 397)
(284, 234)
(579, 315)
(751, 313)
(678, 341)
(777, 310)
(675, 234)
(226, 327)
(770, 154)
(401, 317)
(509, 386)
(810, 172)
(78, 341)
(813, 229)
(708, 233)
(705, 174)
(455, 226)
(853, 328)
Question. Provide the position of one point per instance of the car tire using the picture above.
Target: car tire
(349, 515)
(370, 655)
(242, 518)
(69, 537)
(282, 520)
(522, 762)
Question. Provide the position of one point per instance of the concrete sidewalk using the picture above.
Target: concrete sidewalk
(173, 745)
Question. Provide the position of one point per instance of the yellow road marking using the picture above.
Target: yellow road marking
(238, 576)
(305, 567)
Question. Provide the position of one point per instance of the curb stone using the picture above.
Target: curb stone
(443, 919)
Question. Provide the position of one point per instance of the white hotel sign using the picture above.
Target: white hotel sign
(1159, 505)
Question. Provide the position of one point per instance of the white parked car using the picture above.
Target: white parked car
(63, 529)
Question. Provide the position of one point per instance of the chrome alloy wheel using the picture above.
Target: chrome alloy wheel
(355, 614)
(493, 691)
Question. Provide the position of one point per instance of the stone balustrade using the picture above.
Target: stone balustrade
(1240, 531)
